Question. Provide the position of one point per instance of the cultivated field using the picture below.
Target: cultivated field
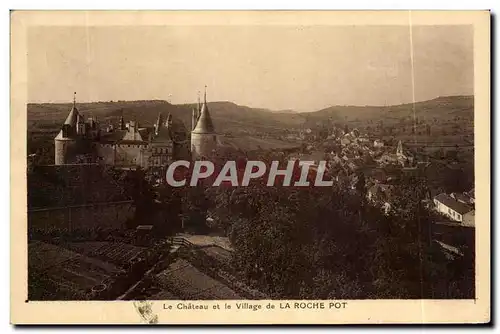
(184, 280)
(58, 273)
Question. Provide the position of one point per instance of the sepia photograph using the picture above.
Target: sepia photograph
(248, 164)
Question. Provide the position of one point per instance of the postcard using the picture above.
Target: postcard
(250, 167)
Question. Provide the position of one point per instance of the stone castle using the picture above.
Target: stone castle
(128, 145)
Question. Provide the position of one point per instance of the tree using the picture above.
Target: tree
(195, 205)
(313, 243)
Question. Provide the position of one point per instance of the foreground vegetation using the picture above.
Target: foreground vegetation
(321, 243)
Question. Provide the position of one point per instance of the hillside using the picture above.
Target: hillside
(441, 107)
(229, 117)
(445, 121)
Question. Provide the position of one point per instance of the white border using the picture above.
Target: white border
(148, 4)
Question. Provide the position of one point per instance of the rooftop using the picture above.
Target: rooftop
(453, 204)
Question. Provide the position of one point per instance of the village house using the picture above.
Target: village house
(463, 198)
(364, 139)
(378, 143)
(455, 210)
(346, 140)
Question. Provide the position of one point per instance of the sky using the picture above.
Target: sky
(304, 68)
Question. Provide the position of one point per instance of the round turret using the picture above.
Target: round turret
(203, 136)
(64, 150)
(65, 142)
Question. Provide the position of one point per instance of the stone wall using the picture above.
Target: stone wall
(202, 144)
(128, 154)
(111, 215)
(65, 151)
(107, 153)
(469, 218)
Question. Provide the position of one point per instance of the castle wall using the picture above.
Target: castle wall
(181, 151)
(140, 155)
(59, 152)
(65, 151)
(106, 215)
(202, 144)
(72, 151)
(128, 154)
(106, 153)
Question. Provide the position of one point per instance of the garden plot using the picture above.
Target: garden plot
(183, 279)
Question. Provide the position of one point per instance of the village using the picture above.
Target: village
(147, 240)
(352, 157)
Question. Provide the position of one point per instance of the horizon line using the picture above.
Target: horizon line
(262, 108)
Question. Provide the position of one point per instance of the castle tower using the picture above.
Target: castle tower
(203, 136)
(80, 126)
(122, 123)
(158, 124)
(65, 141)
(399, 150)
(168, 123)
(194, 118)
(198, 112)
(402, 157)
(195, 114)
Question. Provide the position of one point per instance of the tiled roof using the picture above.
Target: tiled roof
(113, 136)
(462, 197)
(453, 204)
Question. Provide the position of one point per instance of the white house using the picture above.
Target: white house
(346, 140)
(455, 210)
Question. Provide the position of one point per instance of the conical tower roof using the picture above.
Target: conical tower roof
(159, 123)
(204, 124)
(73, 114)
